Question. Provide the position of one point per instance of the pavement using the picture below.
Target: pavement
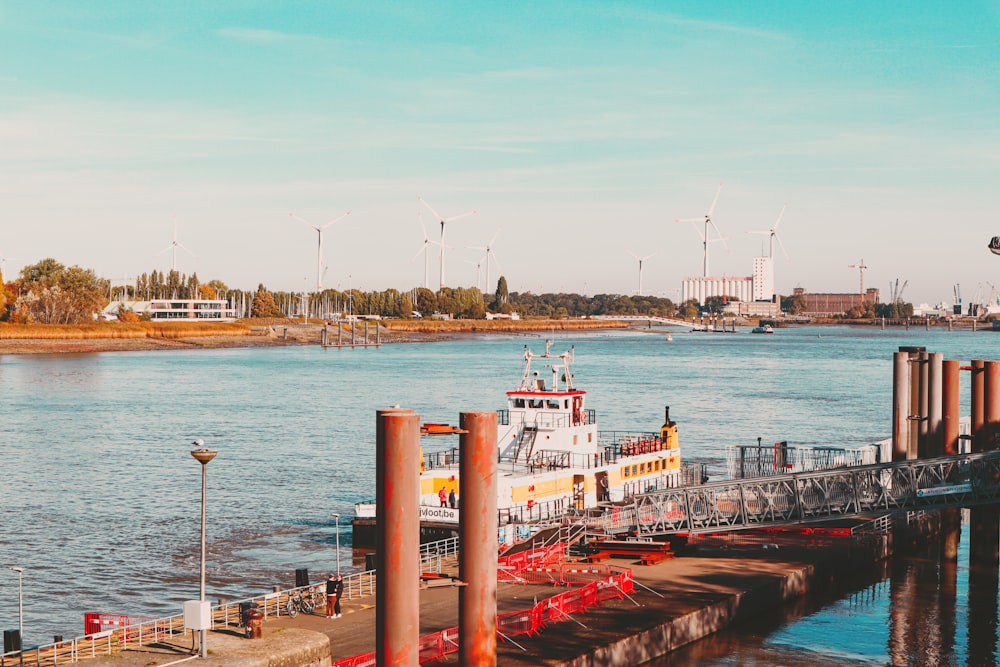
(665, 591)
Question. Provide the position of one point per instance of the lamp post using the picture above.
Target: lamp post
(337, 517)
(20, 605)
(203, 455)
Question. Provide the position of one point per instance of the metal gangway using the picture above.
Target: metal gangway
(961, 480)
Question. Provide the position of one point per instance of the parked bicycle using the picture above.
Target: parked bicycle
(298, 602)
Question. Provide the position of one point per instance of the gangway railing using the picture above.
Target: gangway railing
(961, 480)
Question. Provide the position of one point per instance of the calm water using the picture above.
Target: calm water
(100, 498)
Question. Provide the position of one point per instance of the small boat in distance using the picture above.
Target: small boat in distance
(766, 329)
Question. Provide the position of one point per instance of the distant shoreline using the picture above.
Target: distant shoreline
(84, 339)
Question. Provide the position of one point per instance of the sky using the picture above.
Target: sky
(579, 132)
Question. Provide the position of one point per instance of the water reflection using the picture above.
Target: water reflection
(925, 608)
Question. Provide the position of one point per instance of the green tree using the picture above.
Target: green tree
(793, 305)
(502, 301)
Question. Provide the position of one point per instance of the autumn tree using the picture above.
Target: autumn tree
(54, 294)
(264, 305)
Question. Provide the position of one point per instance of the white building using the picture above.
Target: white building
(166, 310)
(756, 288)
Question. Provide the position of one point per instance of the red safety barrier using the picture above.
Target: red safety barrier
(434, 647)
(363, 660)
(94, 622)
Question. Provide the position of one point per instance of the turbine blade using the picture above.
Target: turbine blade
(335, 220)
(437, 216)
(711, 209)
(459, 216)
(759, 231)
(493, 240)
(420, 217)
(782, 246)
(690, 220)
(780, 215)
(181, 246)
(305, 222)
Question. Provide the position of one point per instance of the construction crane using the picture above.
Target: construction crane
(896, 292)
(861, 267)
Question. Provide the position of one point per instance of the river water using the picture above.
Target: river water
(100, 498)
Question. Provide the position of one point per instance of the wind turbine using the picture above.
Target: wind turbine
(707, 220)
(319, 245)
(773, 234)
(423, 249)
(490, 255)
(174, 246)
(443, 222)
(479, 265)
(640, 260)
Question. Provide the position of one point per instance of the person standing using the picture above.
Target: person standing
(338, 593)
(452, 500)
(443, 496)
(332, 597)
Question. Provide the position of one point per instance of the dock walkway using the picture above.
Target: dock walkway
(676, 601)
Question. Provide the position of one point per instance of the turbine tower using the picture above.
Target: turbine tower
(424, 248)
(174, 246)
(640, 260)
(707, 220)
(443, 222)
(490, 255)
(319, 245)
(772, 235)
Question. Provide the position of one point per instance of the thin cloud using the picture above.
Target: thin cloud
(257, 35)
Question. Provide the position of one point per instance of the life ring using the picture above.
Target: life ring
(581, 416)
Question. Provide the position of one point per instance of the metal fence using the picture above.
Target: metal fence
(961, 480)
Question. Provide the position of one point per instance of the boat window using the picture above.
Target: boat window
(590, 437)
(554, 405)
(634, 472)
(574, 439)
(566, 404)
(657, 465)
(535, 403)
(518, 402)
(625, 471)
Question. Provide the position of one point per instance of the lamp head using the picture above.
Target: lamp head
(202, 454)
(18, 569)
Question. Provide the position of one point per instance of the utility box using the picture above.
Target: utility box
(11, 641)
(197, 615)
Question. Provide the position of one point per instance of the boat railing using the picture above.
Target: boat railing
(543, 419)
(746, 461)
(448, 458)
(535, 512)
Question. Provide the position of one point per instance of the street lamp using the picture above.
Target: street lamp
(20, 603)
(203, 455)
(337, 517)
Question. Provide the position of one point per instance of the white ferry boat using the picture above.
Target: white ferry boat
(552, 457)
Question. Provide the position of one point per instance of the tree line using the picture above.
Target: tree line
(50, 293)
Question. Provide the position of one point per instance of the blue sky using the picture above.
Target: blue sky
(580, 130)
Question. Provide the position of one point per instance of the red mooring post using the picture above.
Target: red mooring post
(978, 407)
(950, 415)
(984, 529)
(477, 600)
(935, 389)
(900, 405)
(397, 538)
(923, 408)
(950, 405)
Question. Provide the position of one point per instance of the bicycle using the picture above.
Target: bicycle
(298, 602)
